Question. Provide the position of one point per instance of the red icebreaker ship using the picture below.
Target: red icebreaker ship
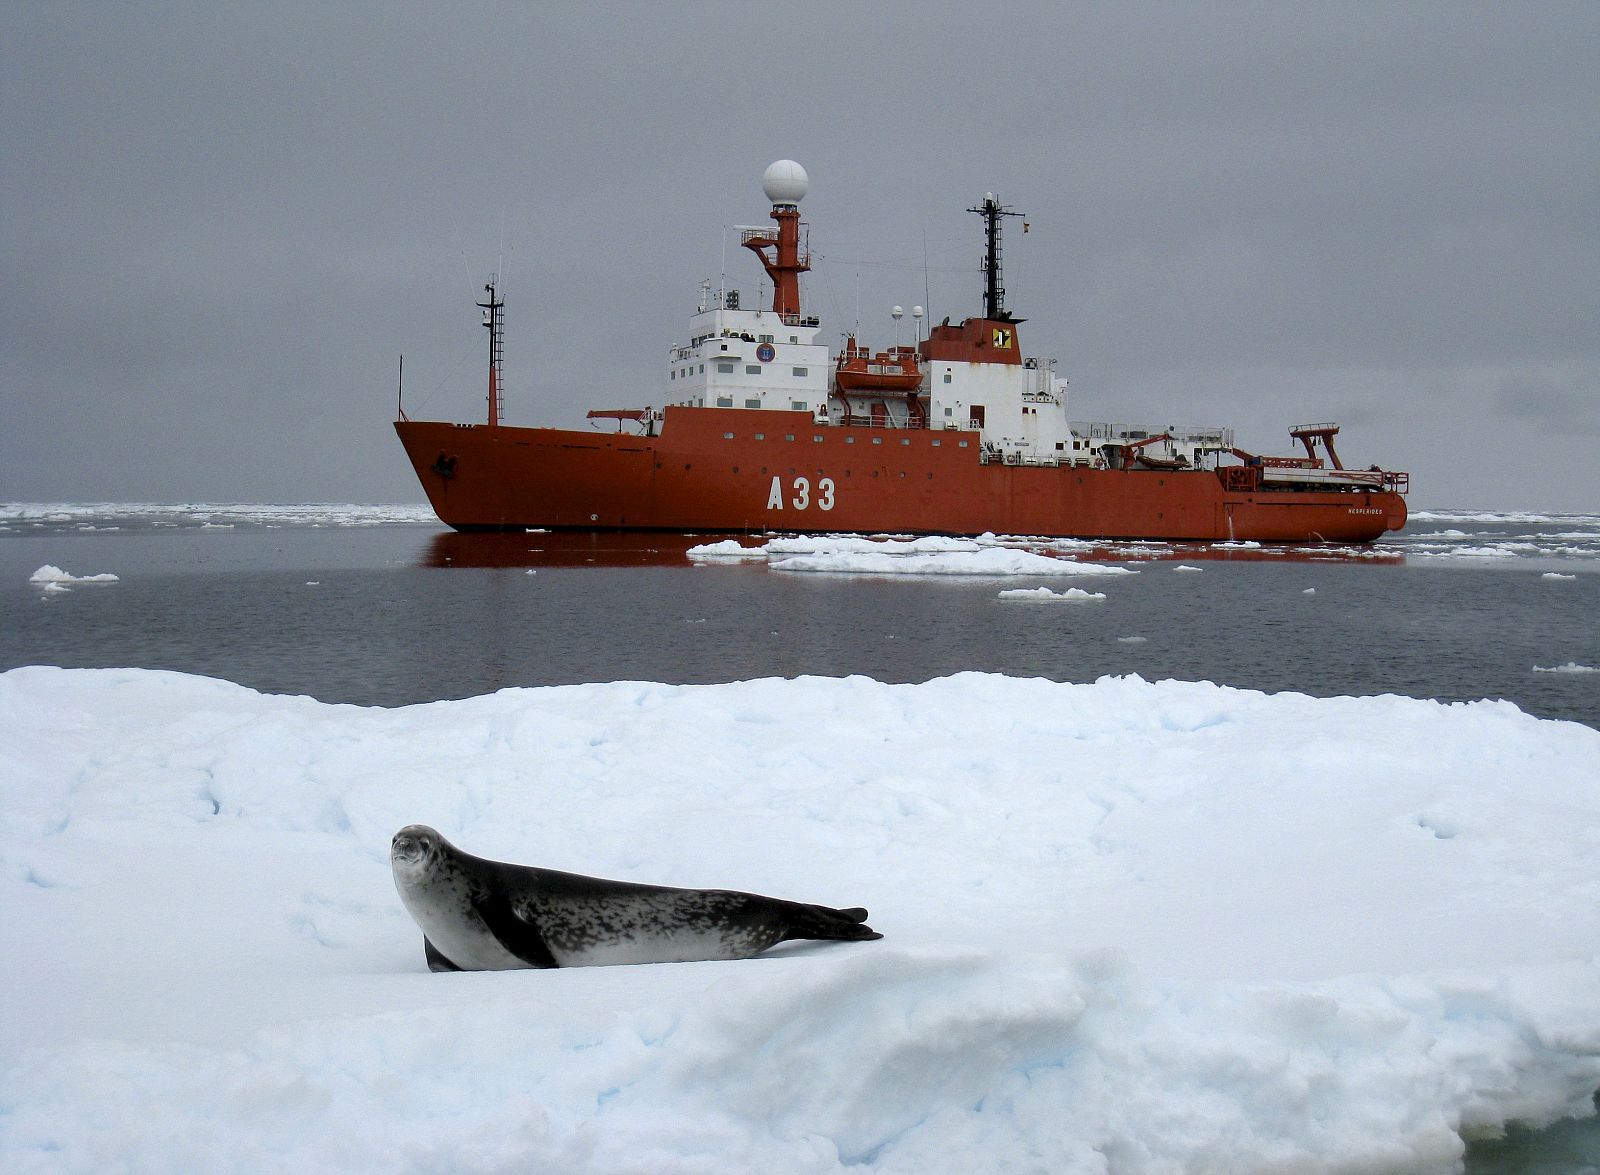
(763, 429)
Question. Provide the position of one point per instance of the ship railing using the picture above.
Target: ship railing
(1204, 436)
(856, 420)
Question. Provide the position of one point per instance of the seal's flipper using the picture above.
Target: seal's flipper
(519, 935)
(436, 961)
(827, 923)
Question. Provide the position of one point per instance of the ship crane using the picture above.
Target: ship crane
(1309, 434)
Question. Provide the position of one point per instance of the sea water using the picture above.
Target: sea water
(376, 606)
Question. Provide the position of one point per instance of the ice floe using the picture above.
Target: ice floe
(51, 574)
(1141, 927)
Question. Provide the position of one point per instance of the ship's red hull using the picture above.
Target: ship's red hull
(740, 470)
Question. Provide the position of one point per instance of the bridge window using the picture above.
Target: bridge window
(752, 369)
(752, 402)
(724, 401)
(801, 372)
(725, 368)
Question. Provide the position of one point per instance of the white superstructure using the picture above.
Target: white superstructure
(969, 377)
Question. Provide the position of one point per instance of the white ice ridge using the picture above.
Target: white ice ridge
(1569, 667)
(227, 513)
(1504, 516)
(985, 555)
(1130, 926)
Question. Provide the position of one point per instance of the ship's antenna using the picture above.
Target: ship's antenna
(994, 294)
(927, 297)
(722, 282)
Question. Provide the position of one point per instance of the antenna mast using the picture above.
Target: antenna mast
(497, 346)
(994, 294)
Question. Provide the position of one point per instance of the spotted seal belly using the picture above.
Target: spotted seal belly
(481, 915)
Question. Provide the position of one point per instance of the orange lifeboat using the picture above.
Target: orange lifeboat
(857, 369)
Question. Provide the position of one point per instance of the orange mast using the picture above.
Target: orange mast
(785, 183)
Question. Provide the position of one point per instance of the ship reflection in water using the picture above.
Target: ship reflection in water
(623, 548)
(535, 549)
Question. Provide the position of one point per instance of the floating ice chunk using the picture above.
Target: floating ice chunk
(1131, 640)
(1569, 667)
(992, 561)
(1185, 567)
(1556, 575)
(729, 549)
(1496, 552)
(1241, 544)
(1044, 593)
(1309, 592)
(50, 573)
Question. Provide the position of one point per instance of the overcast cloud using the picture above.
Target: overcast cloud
(224, 223)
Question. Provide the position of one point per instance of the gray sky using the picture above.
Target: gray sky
(224, 223)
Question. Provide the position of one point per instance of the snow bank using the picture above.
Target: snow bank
(1131, 927)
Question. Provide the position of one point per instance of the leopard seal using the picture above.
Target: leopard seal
(481, 915)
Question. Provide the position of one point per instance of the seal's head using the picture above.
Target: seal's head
(414, 850)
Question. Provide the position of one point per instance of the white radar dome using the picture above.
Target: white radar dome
(785, 182)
